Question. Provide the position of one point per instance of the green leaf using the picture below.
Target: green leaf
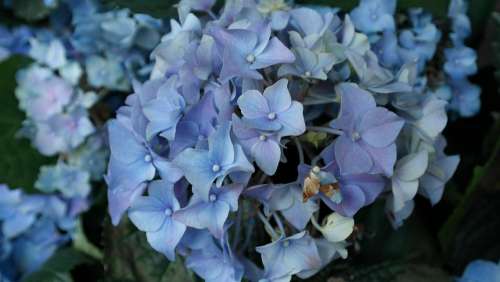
(413, 240)
(438, 8)
(155, 8)
(391, 271)
(30, 10)
(81, 243)
(128, 256)
(57, 268)
(484, 180)
(20, 162)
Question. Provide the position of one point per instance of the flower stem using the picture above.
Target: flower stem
(325, 130)
(268, 227)
(299, 149)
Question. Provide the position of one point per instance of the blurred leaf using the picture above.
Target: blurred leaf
(30, 10)
(485, 178)
(438, 8)
(479, 13)
(81, 243)
(392, 271)
(381, 242)
(128, 256)
(315, 138)
(20, 162)
(58, 267)
(154, 8)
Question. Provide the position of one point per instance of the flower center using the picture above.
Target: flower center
(307, 73)
(262, 137)
(148, 158)
(250, 58)
(286, 243)
(212, 197)
(271, 115)
(168, 212)
(355, 136)
(316, 169)
(215, 168)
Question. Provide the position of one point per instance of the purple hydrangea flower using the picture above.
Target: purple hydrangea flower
(374, 15)
(368, 133)
(273, 110)
(246, 51)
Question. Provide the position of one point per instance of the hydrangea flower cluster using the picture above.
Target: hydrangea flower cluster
(32, 227)
(57, 92)
(203, 153)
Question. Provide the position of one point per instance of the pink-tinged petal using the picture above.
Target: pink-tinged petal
(380, 127)
(351, 157)
(253, 105)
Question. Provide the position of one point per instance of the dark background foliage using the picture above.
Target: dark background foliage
(435, 244)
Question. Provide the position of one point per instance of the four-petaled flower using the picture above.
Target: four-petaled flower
(368, 133)
(153, 215)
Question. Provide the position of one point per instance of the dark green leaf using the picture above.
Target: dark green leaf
(438, 8)
(57, 268)
(30, 10)
(391, 271)
(128, 256)
(155, 8)
(19, 162)
(485, 180)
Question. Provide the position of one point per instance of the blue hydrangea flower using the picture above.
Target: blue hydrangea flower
(374, 15)
(153, 215)
(165, 110)
(214, 264)
(460, 62)
(246, 51)
(440, 169)
(367, 142)
(286, 198)
(261, 146)
(42, 94)
(202, 167)
(70, 181)
(32, 249)
(290, 255)
(465, 97)
(481, 270)
(106, 72)
(273, 110)
(18, 212)
(211, 214)
(51, 54)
